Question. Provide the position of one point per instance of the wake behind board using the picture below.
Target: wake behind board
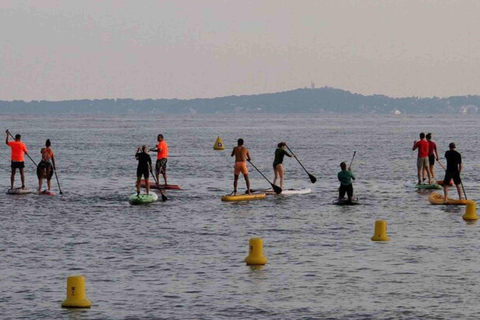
(433, 186)
(153, 185)
(243, 197)
(345, 202)
(143, 198)
(288, 192)
(19, 191)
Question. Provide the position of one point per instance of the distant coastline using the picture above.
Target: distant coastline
(321, 100)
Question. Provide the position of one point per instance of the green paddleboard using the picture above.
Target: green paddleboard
(428, 186)
(143, 198)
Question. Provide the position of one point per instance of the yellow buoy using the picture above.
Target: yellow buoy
(219, 144)
(255, 253)
(76, 293)
(380, 231)
(470, 211)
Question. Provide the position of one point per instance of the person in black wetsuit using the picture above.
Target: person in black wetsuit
(454, 167)
(278, 168)
(144, 167)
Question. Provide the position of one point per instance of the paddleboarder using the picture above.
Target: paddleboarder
(345, 177)
(454, 167)
(422, 160)
(144, 167)
(46, 166)
(19, 149)
(278, 168)
(241, 157)
(162, 156)
(432, 155)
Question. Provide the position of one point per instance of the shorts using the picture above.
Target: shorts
(431, 159)
(345, 189)
(18, 164)
(45, 170)
(144, 172)
(161, 166)
(240, 167)
(422, 162)
(452, 175)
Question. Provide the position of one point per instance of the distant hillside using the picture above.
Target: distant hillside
(322, 100)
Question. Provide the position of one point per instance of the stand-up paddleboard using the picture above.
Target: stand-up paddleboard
(143, 198)
(440, 182)
(288, 192)
(46, 192)
(153, 185)
(19, 191)
(433, 186)
(437, 198)
(345, 202)
(243, 197)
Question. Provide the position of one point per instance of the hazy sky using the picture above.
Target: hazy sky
(56, 50)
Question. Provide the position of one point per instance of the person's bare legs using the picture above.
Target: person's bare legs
(429, 175)
(49, 184)
(138, 185)
(12, 177)
(247, 181)
(445, 191)
(22, 177)
(147, 183)
(165, 177)
(432, 172)
(459, 192)
(281, 171)
(275, 172)
(235, 183)
(419, 173)
(40, 183)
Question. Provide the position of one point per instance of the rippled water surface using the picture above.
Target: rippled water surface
(183, 259)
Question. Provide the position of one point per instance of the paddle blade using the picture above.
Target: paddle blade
(277, 189)
(164, 198)
(312, 178)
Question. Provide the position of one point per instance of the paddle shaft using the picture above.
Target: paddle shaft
(275, 188)
(26, 153)
(354, 152)
(164, 198)
(58, 183)
(312, 178)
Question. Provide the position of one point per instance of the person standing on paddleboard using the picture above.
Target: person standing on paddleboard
(278, 168)
(144, 167)
(422, 160)
(18, 159)
(432, 155)
(241, 157)
(45, 167)
(454, 167)
(345, 177)
(162, 157)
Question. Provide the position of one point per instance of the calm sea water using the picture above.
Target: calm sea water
(183, 259)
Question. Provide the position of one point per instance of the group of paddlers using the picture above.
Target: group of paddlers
(428, 153)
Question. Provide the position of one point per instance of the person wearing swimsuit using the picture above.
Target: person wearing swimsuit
(46, 166)
(278, 168)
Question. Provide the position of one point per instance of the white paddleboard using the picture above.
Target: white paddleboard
(289, 192)
(19, 191)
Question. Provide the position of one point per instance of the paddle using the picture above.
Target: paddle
(164, 198)
(277, 189)
(461, 182)
(312, 178)
(58, 183)
(26, 153)
(350, 166)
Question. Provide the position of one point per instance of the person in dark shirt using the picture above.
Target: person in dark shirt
(143, 168)
(278, 168)
(454, 167)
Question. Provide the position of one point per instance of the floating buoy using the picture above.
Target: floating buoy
(219, 144)
(470, 211)
(380, 231)
(76, 293)
(255, 253)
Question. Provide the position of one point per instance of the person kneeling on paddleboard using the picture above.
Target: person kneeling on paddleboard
(45, 168)
(18, 161)
(345, 177)
(143, 168)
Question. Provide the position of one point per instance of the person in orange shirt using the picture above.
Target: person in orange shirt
(18, 161)
(241, 157)
(162, 157)
(46, 166)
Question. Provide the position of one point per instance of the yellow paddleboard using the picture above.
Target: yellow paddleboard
(243, 197)
(437, 198)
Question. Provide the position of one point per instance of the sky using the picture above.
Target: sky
(64, 50)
